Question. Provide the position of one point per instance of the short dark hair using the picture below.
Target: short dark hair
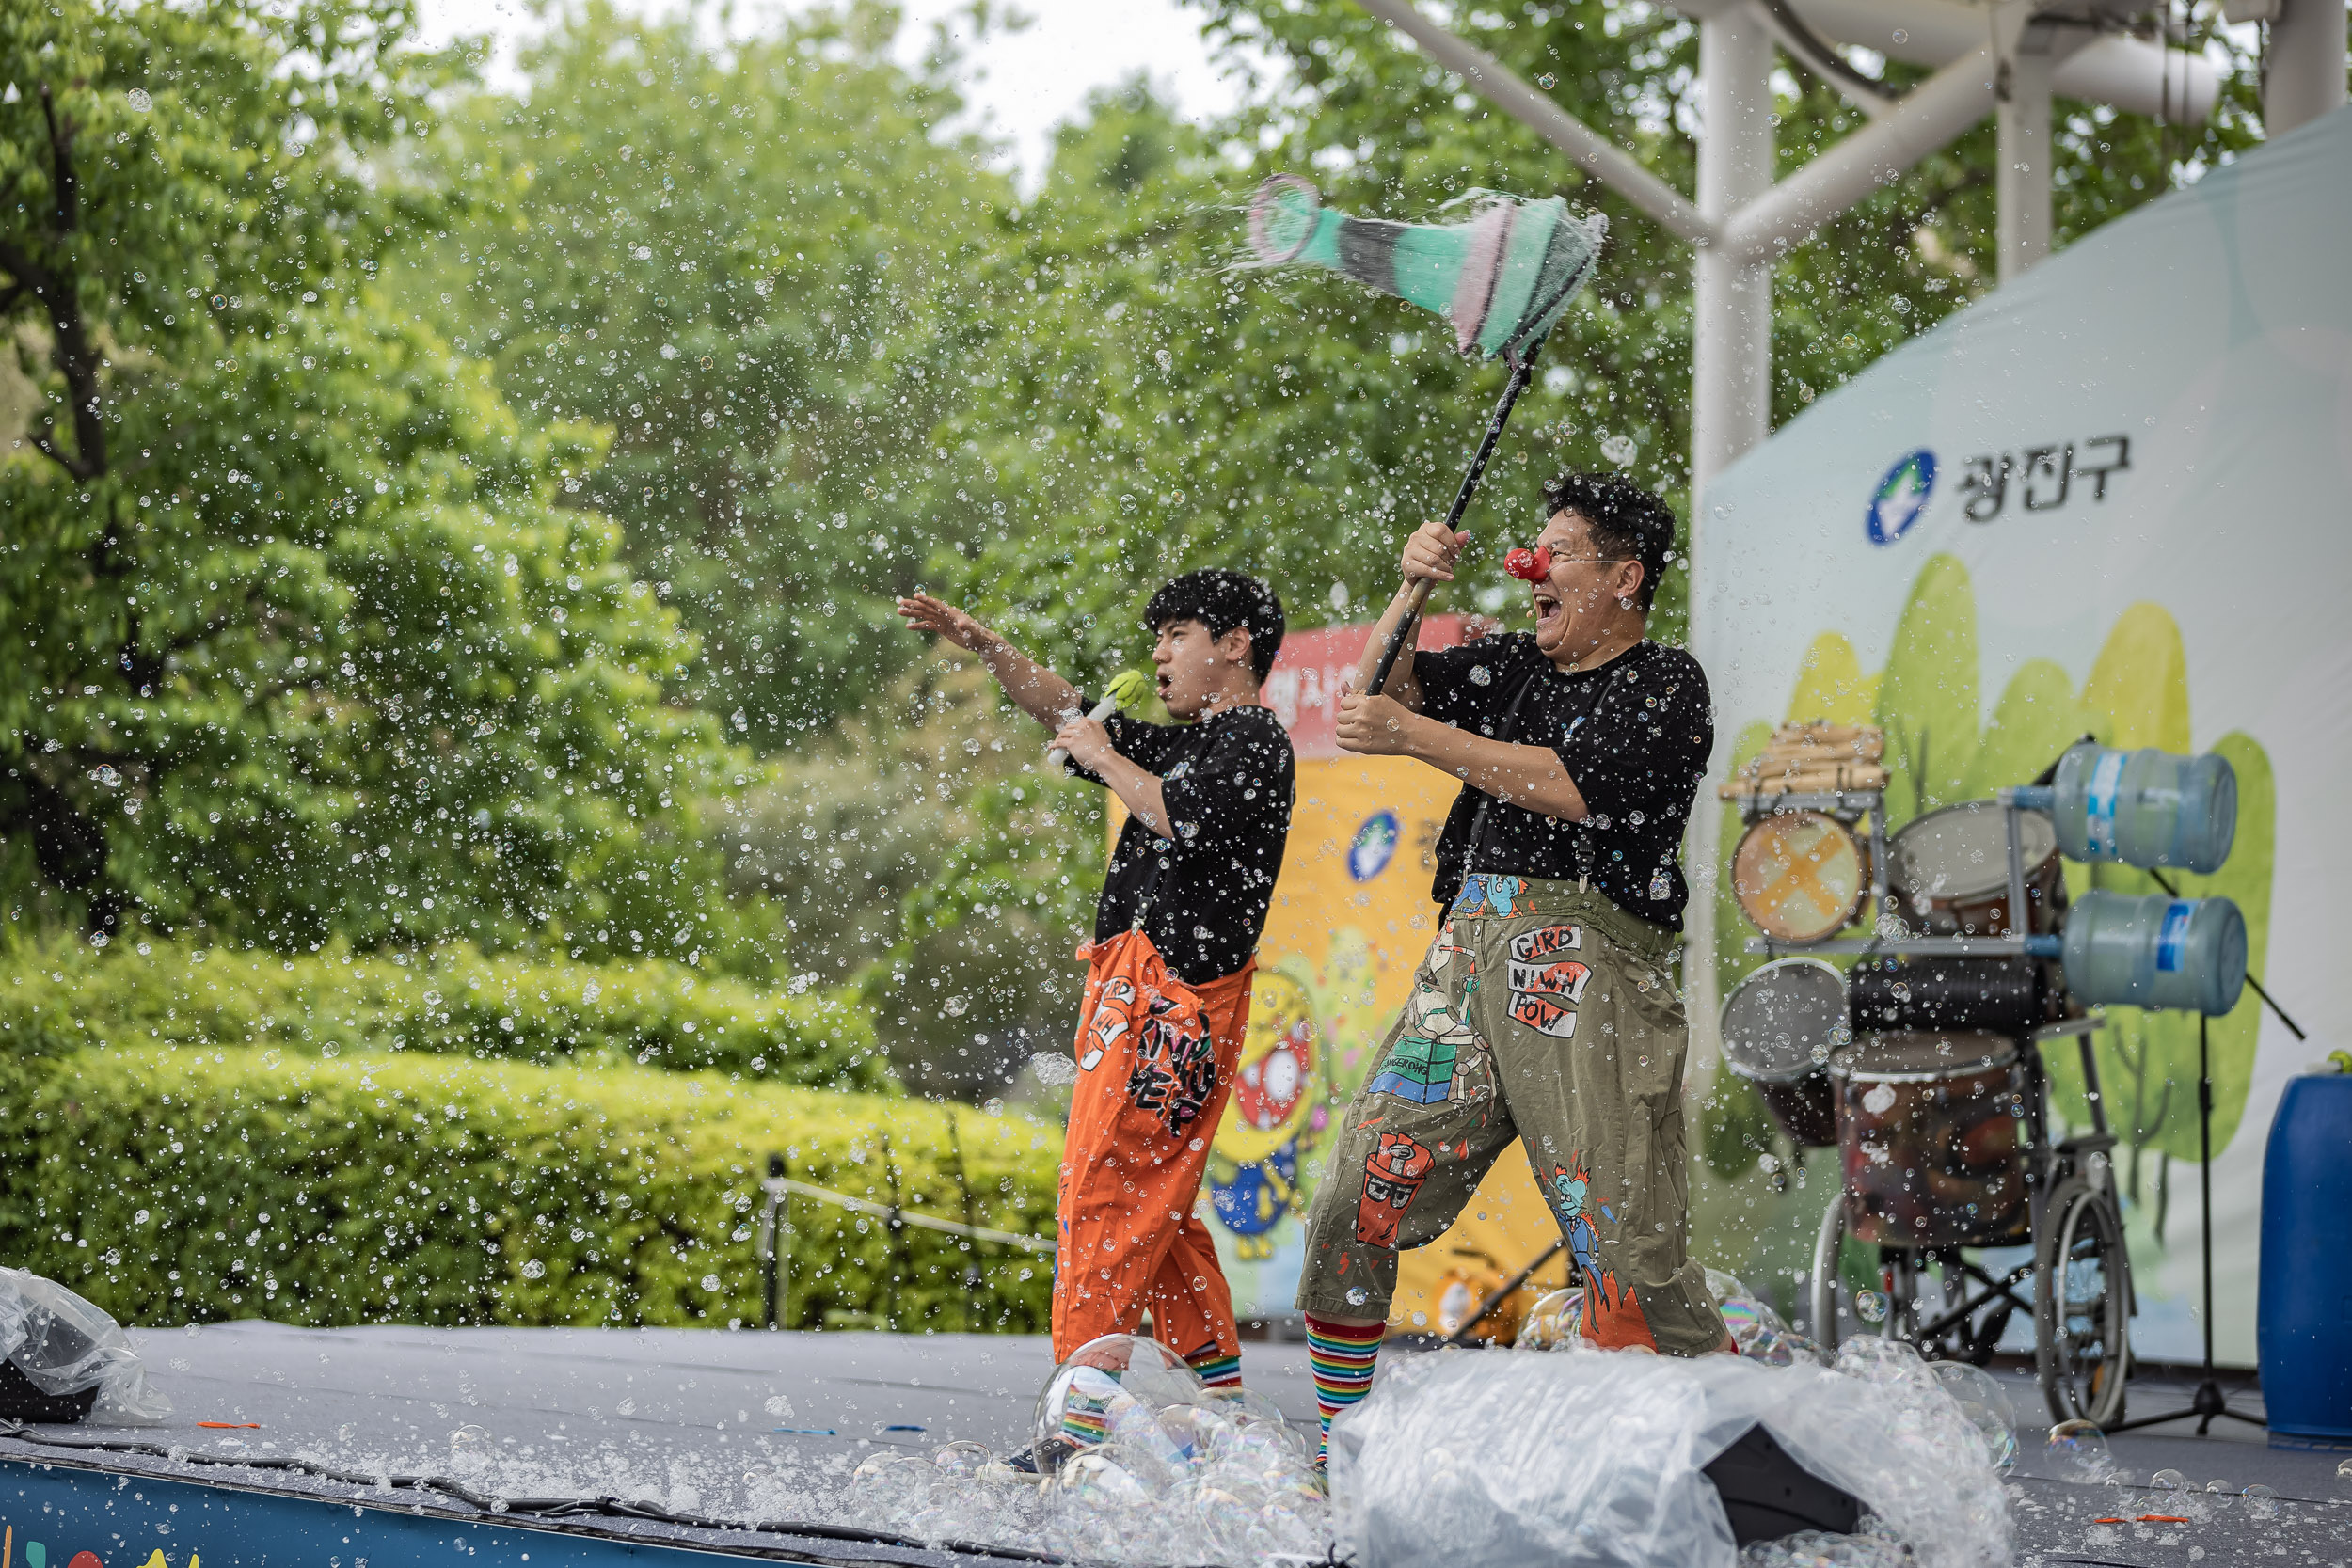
(1624, 519)
(1221, 600)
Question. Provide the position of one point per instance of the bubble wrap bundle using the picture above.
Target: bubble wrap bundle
(65, 1345)
(1595, 1458)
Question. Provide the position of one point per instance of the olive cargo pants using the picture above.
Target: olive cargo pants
(1544, 1013)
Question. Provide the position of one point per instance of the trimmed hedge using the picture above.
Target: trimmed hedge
(449, 1000)
(176, 1186)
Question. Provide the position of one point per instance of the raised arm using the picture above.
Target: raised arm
(1428, 555)
(1033, 690)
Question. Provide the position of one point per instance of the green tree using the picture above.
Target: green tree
(738, 261)
(304, 640)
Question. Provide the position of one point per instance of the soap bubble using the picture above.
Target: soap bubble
(2077, 1452)
(1252, 1427)
(1358, 1295)
(1875, 1358)
(1986, 1406)
(1781, 1347)
(1555, 1322)
(962, 1457)
(2343, 1471)
(1870, 1306)
(2176, 1495)
(1120, 1379)
(1053, 1069)
(1097, 1478)
(893, 1483)
(1619, 448)
(2261, 1503)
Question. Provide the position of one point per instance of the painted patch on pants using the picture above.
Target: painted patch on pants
(1392, 1174)
(1545, 986)
(1543, 1015)
(1174, 1075)
(1561, 978)
(1418, 1070)
(1542, 943)
(1110, 1020)
(1612, 1315)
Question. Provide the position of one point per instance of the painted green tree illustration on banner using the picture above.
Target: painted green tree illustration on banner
(1939, 753)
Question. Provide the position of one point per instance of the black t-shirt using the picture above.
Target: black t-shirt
(1634, 735)
(1228, 783)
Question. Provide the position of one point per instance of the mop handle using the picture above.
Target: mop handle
(1522, 370)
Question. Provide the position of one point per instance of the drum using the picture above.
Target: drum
(1950, 869)
(2001, 996)
(1928, 1135)
(1780, 1026)
(1800, 875)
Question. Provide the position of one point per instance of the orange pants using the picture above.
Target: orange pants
(1156, 1059)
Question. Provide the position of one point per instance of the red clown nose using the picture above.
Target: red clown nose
(1529, 565)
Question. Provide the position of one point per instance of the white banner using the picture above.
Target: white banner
(2110, 500)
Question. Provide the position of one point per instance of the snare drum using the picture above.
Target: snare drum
(1950, 869)
(1780, 1026)
(1928, 1135)
(1800, 875)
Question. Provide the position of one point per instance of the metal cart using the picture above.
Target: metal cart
(2076, 1284)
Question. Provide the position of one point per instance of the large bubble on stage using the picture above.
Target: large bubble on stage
(1140, 1462)
(1508, 1456)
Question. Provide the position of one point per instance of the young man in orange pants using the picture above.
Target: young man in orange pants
(1175, 934)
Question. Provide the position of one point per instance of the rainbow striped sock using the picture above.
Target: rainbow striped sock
(1342, 1356)
(1217, 1372)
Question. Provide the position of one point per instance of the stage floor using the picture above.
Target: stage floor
(752, 1426)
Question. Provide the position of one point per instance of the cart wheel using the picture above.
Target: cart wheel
(1830, 1299)
(1828, 1249)
(2082, 1347)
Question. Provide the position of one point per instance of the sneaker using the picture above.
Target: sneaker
(1042, 1458)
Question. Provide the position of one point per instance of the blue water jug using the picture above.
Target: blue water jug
(2303, 1322)
(2155, 952)
(2143, 808)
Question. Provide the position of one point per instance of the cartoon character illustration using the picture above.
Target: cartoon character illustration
(1485, 893)
(1251, 1199)
(1109, 1020)
(1393, 1172)
(1612, 1318)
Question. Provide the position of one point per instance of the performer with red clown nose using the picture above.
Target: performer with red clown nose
(1547, 1007)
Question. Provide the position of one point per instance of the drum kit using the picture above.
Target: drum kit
(1921, 1066)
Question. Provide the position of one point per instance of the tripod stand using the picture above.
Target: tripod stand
(2208, 1404)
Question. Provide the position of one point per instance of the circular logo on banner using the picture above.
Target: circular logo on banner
(1375, 844)
(1902, 495)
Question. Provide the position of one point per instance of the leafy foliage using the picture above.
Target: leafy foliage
(417, 1189)
(738, 265)
(305, 642)
(448, 1001)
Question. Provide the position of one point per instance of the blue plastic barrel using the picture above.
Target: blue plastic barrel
(2303, 1325)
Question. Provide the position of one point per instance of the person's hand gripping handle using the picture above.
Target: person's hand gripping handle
(1129, 688)
(1428, 560)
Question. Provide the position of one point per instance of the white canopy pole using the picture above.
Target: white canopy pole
(1928, 120)
(1587, 147)
(2305, 63)
(2023, 175)
(1731, 355)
